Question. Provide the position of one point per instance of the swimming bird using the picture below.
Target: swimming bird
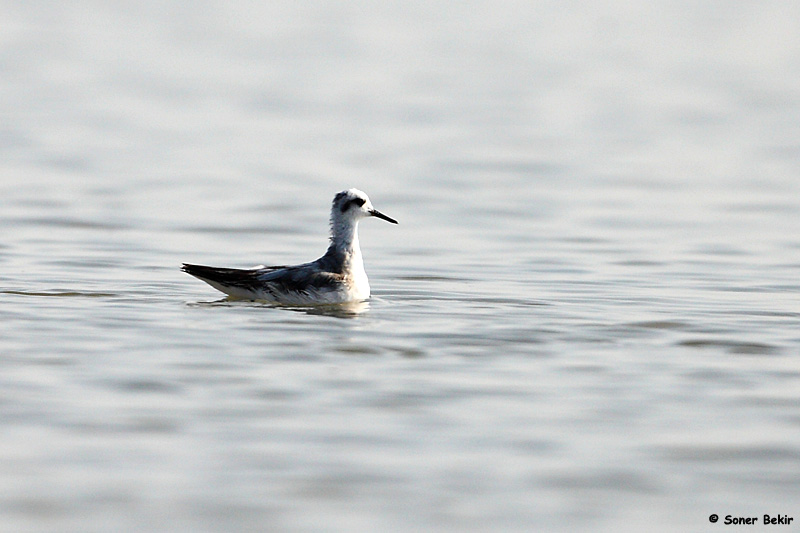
(336, 277)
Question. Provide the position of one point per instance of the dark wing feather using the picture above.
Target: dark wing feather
(302, 279)
(232, 277)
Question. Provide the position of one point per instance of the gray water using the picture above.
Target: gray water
(588, 317)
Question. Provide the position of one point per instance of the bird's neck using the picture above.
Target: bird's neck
(344, 251)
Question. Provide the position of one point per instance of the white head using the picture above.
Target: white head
(352, 205)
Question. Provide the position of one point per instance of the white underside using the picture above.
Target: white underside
(355, 291)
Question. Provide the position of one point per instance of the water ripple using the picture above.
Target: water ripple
(63, 294)
(735, 347)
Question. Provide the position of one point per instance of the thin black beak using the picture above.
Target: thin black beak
(376, 213)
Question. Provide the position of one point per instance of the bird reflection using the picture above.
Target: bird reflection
(342, 310)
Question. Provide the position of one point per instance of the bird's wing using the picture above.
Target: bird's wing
(232, 277)
(304, 278)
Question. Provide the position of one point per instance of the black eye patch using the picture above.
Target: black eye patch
(358, 201)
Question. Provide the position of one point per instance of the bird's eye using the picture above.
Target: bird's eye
(357, 201)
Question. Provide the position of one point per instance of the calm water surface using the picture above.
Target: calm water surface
(587, 319)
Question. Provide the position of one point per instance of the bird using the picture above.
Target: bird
(336, 277)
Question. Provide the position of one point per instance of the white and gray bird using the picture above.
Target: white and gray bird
(336, 277)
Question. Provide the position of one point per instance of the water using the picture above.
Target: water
(587, 318)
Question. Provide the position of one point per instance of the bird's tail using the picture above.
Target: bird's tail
(231, 281)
